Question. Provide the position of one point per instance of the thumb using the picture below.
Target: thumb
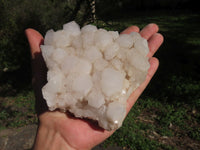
(35, 39)
(39, 69)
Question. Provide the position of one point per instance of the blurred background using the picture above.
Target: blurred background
(167, 115)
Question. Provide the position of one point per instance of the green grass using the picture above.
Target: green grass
(151, 120)
(169, 108)
(17, 110)
(140, 127)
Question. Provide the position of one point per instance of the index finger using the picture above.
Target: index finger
(131, 29)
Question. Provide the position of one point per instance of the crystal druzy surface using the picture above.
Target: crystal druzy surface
(92, 72)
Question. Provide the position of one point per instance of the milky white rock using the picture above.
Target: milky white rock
(82, 84)
(138, 61)
(49, 37)
(111, 51)
(115, 112)
(111, 82)
(58, 55)
(72, 28)
(102, 39)
(92, 72)
(92, 53)
(140, 43)
(88, 29)
(125, 40)
(92, 96)
(62, 38)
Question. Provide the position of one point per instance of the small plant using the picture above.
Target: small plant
(195, 133)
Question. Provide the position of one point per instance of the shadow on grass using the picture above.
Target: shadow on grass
(177, 79)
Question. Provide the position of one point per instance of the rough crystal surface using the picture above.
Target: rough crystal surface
(92, 72)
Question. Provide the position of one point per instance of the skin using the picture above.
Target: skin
(61, 131)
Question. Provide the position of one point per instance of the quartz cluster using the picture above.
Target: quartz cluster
(92, 72)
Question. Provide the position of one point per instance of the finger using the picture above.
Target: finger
(130, 29)
(39, 69)
(135, 95)
(154, 43)
(149, 30)
(35, 39)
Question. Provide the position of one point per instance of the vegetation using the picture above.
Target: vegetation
(167, 113)
(17, 111)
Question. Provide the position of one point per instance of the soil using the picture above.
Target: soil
(18, 139)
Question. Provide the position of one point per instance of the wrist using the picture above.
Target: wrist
(49, 138)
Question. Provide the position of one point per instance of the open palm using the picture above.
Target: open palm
(59, 130)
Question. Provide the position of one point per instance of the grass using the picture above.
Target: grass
(138, 128)
(17, 110)
(167, 113)
(151, 122)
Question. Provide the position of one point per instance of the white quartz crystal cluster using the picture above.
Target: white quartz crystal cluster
(92, 72)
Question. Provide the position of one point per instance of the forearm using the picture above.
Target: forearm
(50, 139)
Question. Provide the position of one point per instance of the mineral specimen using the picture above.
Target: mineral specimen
(92, 72)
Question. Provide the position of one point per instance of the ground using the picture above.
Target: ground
(19, 138)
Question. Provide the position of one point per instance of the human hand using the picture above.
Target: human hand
(59, 130)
